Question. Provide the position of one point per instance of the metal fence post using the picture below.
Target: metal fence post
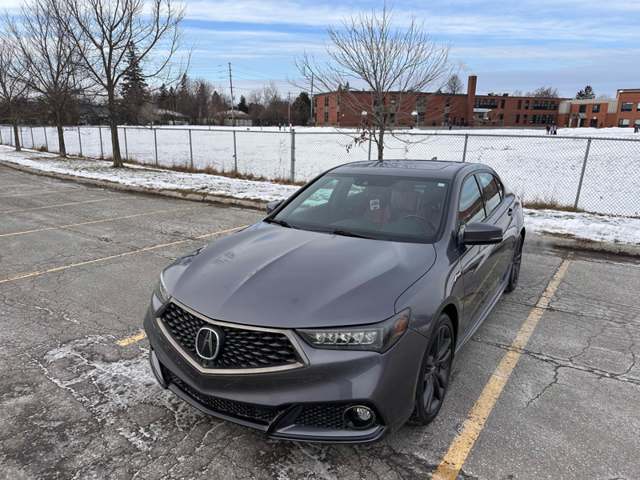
(126, 145)
(1, 141)
(584, 167)
(33, 142)
(370, 141)
(101, 148)
(292, 174)
(235, 152)
(80, 140)
(464, 151)
(155, 144)
(190, 150)
(46, 140)
(21, 137)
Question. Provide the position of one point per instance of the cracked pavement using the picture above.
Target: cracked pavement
(74, 404)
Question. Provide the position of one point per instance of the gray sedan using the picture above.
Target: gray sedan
(337, 318)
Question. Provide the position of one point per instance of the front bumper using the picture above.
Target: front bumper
(306, 403)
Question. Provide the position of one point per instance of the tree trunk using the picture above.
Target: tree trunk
(381, 143)
(113, 127)
(62, 148)
(16, 134)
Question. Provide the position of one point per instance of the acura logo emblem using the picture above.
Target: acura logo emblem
(208, 343)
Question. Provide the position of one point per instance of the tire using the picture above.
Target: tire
(514, 274)
(435, 373)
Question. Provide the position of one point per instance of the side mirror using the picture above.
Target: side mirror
(271, 206)
(481, 234)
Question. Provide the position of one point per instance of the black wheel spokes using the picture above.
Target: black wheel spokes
(436, 376)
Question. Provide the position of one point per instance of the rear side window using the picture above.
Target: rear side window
(471, 208)
(490, 191)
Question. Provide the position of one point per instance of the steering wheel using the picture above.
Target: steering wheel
(424, 220)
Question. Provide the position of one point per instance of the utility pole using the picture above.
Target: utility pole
(233, 122)
(312, 102)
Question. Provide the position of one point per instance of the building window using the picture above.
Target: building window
(638, 107)
(502, 102)
(526, 105)
(518, 118)
(326, 116)
(583, 108)
(627, 107)
(326, 101)
(595, 108)
(624, 122)
(519, 104)
(524, 119)
(501, 116)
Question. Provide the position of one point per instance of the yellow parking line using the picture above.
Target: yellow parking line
(124, 342)
(20, 210)
(111, 257)
(461, 446)
(93, 222)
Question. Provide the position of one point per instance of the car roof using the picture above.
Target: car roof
(413, 168)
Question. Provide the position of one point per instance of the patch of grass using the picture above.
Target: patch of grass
(215, 171)
(538, 204)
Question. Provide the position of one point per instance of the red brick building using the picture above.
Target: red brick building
(352, 108)
(624, 111)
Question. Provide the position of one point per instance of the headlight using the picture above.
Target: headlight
(161, 291)
(378, 337)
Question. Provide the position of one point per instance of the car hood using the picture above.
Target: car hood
(272, 276)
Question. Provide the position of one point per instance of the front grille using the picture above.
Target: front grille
(246, 411)
(241, 348)
(322, 416)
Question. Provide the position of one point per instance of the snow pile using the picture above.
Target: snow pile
(585, 226)
(150, 178)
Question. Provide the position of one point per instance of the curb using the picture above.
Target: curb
(541, 239)
(180, 194)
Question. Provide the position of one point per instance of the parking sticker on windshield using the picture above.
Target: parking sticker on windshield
(374, 204)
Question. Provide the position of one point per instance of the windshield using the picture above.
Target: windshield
(372, 206)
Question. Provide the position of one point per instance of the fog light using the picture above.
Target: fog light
(359, 417)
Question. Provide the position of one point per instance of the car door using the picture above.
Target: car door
(474, 260)
(499, 213)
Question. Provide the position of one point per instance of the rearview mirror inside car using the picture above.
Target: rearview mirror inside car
(481, 234)
(271, 206)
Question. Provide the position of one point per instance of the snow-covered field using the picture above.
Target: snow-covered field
(536, 166)
(579, 225)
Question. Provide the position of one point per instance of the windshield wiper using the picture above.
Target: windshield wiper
(347, 233)
(282, 223)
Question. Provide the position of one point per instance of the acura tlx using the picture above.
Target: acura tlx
(338, 316)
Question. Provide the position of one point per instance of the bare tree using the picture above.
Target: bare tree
(394, 64)
(544, 92)
(454, 85)
(104, 30)
(13, 90)
(48, 60)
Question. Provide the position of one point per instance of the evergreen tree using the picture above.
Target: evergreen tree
(163, 98)
(586, 94)
(134, 92)
(301, 109)
(242, 106)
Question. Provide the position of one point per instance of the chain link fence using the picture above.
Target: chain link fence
(595, 174)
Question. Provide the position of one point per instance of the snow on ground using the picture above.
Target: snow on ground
(580, 225)
(150, 178)
(536, 166)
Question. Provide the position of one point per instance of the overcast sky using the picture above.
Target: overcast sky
(511, 45)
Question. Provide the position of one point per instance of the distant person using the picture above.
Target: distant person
(548, 129)
(636, 128)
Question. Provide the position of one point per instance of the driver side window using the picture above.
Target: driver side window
(471, 208)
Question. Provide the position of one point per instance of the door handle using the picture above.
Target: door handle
(510, 211)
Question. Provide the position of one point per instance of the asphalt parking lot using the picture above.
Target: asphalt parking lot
(77, 399)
